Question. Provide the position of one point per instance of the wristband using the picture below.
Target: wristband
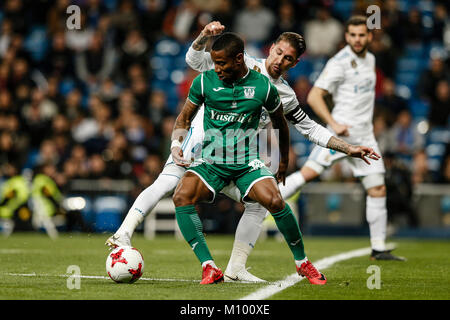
(175, 143)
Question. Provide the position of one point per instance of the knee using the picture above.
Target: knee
(181, 199)
(377, 192)
(276, 204)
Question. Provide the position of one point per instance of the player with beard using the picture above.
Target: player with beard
(350, 78)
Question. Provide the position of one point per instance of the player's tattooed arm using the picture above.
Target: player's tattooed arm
(279, 122)
(180, 130)
(338, 144)
(351, 150)
(211, 29)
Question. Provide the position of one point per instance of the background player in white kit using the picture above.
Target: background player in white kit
(350, 77)
(282, 57)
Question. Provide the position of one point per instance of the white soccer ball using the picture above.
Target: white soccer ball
(125, 264)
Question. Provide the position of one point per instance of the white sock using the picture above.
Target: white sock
(247, 232)
(376, 215)
(293, 182)
(210, 262)
(146, 201)
(298, 263)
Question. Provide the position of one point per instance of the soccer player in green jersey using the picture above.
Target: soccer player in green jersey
(233, 96)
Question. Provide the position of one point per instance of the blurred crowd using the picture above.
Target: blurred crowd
(82, 103)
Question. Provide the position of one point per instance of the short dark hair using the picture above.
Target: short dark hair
(356, 20)
(230, 42)
(295, 40)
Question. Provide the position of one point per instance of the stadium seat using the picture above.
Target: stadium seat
(108, 213)
(36, 42)
(343, 8)
(419, 108)
(154, 223)
(411, 64)
(167, 47)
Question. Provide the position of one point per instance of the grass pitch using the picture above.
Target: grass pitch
(34, 267)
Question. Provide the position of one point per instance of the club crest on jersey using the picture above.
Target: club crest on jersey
(249, 92)
(353, 63)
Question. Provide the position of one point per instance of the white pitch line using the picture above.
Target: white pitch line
(89, 277)
(292, 279)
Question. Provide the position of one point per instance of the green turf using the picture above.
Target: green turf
(423, 276)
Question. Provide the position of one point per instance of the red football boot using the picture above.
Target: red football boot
(311, 273)
(211, 275)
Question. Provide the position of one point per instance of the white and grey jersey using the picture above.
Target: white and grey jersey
(351, 80)
(201, 61)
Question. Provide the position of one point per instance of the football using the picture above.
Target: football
(125, 264)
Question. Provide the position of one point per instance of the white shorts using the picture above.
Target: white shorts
(322, 158)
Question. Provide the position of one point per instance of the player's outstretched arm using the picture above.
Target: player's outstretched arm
(279, 122)
(361, 152)
(317, 102)
(180, 130)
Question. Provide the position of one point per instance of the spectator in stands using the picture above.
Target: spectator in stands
(109, 92)
(47, 153)
(20, 74)
(439, 115)
(80, 39)
(123, 19)
(9, 151)
(440, 20)
(399, 190)
(96, 64)
(37, 116)
(141, 91)
(390, 104)
(59, 58)
(117, 157)
(404, 139)
(7, 105)
(420, 169)
(326, 28)
(254, 22)
(381, 131)
(96, 130)
(134, 50)
(430, 77)
(6, 34)
(53, 93)
(225, 13)
(73, 108)
(302, 86)
(382, 47)
(97, 167)
(57, 16)
(79, 160)
(151, 20)
(286, 21)
(445, 166)
(15, 12)
(95, 10)
(413, 27)
(157, 108)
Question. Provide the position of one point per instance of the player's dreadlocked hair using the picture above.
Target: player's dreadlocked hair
(230, 42)
(295, 40)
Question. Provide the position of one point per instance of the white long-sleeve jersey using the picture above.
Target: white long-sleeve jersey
(351, 80)
(201, 61)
